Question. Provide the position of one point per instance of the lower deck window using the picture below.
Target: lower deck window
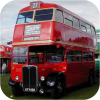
(54, 56)
(90, 56)
(85, 56)
(78, 55)
(70, 55)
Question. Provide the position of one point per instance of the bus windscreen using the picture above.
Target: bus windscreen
(42, 15)
(26, 17)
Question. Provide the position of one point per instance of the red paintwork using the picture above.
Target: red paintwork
(76, 72)
(6, 55)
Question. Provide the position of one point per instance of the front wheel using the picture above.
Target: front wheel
(17, 91)
(57, 91)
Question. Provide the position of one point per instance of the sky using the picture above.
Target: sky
(9, 12)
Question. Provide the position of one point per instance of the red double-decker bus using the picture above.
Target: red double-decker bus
(5, 56)
(53, 49)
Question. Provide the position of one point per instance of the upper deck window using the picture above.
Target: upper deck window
(88, 28)
(93, 30)
(42, 15)
(76, 23)
(59, 16)
(25, 17)
(68, 19)
(83, 26)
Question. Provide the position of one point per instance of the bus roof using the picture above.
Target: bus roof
(50, 5)
(5, 46)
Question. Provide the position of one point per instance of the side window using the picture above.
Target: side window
(78, 56)
(85, 56)
(83, 26)
(93, 30)
(90, 56)
(88, 28)
(70, 55)
(68, 19)
(76, 23)
(59, 16)
(55, 55)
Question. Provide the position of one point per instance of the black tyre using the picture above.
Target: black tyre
(17, 91)
(58, 90)
(91, 79)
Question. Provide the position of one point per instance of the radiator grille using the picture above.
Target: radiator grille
(25, 77)
(30, 77)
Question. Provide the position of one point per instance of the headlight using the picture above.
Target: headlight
(42, 78)
(32, 29)
(17, 78)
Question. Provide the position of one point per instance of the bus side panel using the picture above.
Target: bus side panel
(72, 74)
(74, 36)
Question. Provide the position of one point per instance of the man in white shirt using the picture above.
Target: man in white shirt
(4, 68)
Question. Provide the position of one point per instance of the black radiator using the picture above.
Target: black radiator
(30, 78)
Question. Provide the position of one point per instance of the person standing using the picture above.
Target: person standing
(4, 68)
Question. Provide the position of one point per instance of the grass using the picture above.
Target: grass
(78, 92)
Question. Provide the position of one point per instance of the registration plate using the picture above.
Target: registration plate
(29, 89)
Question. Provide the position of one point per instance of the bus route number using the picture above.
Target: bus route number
(35, 5)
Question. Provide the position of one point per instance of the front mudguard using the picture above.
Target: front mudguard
(51, 79)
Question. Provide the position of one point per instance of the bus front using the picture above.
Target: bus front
(35, 54)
